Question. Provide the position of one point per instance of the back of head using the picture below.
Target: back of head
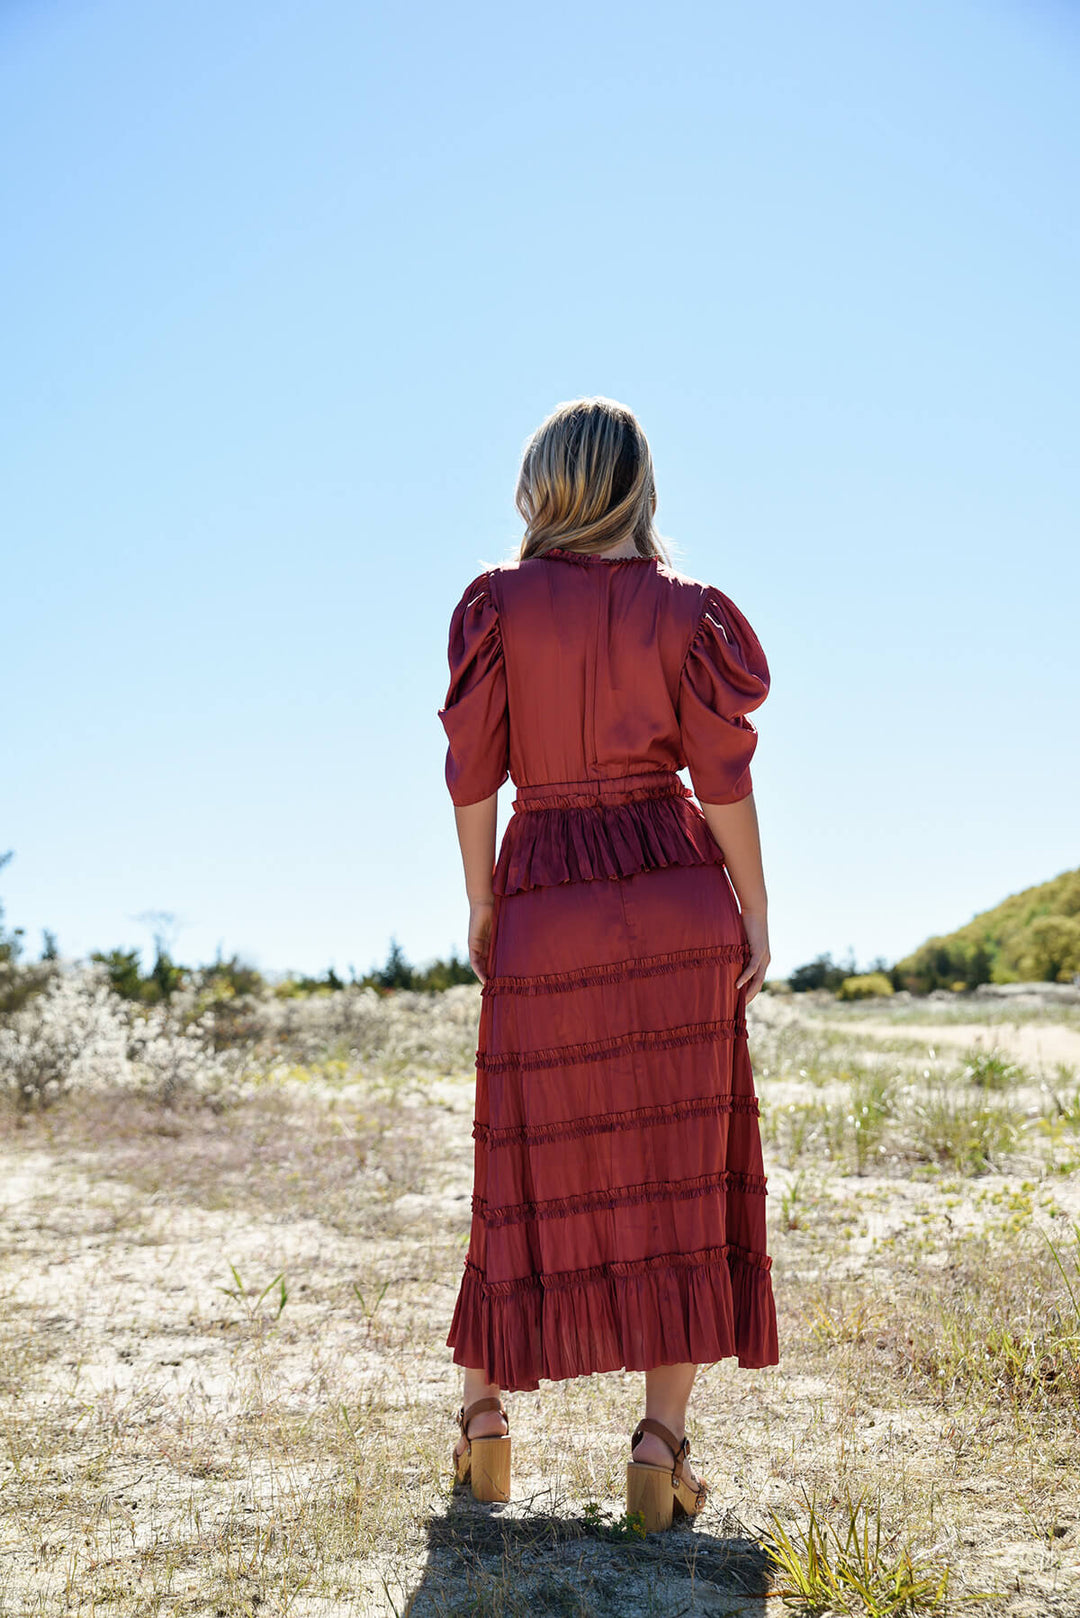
(586, 482)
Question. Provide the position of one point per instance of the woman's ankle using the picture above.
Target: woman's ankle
(673, 1420)
(486, 1423)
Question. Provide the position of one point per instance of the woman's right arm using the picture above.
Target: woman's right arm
(735, 827)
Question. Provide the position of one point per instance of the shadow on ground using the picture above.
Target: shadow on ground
(517, 1562)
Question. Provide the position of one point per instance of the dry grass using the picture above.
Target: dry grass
(224, 1390)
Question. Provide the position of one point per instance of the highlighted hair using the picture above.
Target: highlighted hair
(586, 482)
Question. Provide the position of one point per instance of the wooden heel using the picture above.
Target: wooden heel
(648, 1490)
(491, 1468)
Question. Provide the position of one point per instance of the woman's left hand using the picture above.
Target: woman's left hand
(480, 915)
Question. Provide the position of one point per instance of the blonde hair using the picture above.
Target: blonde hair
(586, 482)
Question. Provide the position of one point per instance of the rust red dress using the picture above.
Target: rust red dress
(618, 1213)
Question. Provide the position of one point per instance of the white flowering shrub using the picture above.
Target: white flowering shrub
(168, 1057)
(397, 1032)
(75, 1032)
(79, 1033)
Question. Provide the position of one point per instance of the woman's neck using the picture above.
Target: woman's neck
(625, 547)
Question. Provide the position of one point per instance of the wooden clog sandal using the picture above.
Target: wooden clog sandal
(657, 1492)
(485, 1462)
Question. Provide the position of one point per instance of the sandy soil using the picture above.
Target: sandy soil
(1037, 1045)
(177, 1440)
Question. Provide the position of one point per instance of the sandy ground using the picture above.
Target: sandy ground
(177, 1440)
(1035, 1044)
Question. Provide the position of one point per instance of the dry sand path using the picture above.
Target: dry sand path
(1035, 1044)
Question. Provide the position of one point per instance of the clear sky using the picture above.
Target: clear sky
(287, 286)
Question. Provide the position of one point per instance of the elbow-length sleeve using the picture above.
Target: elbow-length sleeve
(724, 677)
(474, 714)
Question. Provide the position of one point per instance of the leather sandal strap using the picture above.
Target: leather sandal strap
(476, 1408)
(678, 1447)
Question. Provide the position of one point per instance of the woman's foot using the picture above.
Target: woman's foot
(652, 1451)
(487, 1424)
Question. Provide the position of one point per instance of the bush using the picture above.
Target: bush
(79, 1033)
(820, 973)
(864, 986)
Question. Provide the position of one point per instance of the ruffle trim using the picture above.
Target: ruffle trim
(601, 1050)
(616, 1269)
(642, 966)
(671, 1309)
(545, 847)
(587, 557)
(623, 1196)
(604, 1123)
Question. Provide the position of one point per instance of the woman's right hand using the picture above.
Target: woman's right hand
(481, 913)
(756, 927)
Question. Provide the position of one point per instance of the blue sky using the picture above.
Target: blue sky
(287, 287)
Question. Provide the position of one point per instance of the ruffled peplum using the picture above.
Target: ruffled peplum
(581, 831)
(673, 1309)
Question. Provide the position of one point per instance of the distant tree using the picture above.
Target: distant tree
(821, 973)
(234, 976)
(165, 977)
(124, 971)
(18, 982)
(10, 942)
(307, 985)
(397, 973)
(49, 949)
(1050, 951)
(444, 974)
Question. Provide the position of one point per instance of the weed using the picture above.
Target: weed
(992, 1069)
(369, 1312)
(242, 1295)
(825, 1571)
(947, 1128)
(791, 1202)
(629, 1525)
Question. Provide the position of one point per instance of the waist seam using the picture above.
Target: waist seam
(600, 791)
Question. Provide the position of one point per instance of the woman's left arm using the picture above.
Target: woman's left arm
(476, 837)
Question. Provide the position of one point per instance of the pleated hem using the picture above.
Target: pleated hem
(680, 1308)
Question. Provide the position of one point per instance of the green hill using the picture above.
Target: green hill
(1031, 937)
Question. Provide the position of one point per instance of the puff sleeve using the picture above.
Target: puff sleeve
(474, 714)
(724, 677)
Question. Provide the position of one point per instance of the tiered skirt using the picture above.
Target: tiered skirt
(618, 1212)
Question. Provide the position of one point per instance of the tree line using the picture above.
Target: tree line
(222, 978)
(1033, 936)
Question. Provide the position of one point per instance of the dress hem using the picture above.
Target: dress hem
(673, 1309)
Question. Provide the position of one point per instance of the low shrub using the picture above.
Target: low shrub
(864, 986)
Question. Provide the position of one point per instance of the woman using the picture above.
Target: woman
(619, 1195)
